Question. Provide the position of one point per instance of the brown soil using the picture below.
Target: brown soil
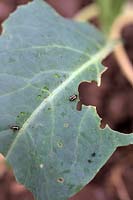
(114, 104)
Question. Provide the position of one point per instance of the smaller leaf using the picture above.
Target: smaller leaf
(109, 10)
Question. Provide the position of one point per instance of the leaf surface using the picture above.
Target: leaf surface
(44, 57)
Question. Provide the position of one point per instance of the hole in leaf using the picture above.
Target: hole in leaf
(60, 180)
(66, 125)
(41, 165)
(89, 93)
(102, 124)
(93, 154)
(60, 144)
(112, 99)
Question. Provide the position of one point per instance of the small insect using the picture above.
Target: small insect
(73, 97)
(15, 128)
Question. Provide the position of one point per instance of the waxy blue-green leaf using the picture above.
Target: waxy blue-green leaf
(43, 58)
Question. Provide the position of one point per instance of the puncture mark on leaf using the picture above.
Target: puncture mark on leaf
(41, 165)
(93, 154)
(60, 144)
(22, 117)
(44, 92)
(57, 75)
(60, 180)
(66, 125)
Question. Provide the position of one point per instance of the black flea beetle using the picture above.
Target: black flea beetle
(15, 128)
(73, 97)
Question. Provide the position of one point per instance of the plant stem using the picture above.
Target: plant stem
(87, 13)
(120, 52)
(122, 58)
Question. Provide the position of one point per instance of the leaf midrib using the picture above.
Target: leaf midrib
(95, 58)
